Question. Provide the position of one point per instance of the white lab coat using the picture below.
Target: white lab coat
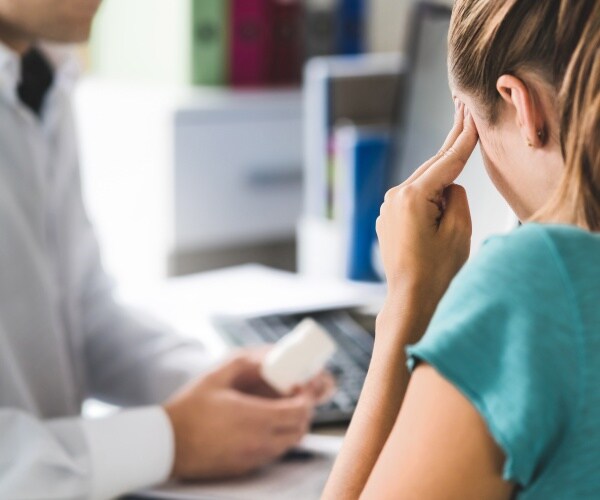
(63, 337)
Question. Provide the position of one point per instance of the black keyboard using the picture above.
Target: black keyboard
(353, 333)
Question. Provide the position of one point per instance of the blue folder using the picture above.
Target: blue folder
(367, 181)
(351, 26)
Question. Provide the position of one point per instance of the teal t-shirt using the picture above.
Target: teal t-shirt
(518, 333)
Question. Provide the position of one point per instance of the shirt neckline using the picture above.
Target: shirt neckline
(62, 58)
(565, 227)
(10, 71)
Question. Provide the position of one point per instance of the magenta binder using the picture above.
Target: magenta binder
(286, 58)
(251, 43)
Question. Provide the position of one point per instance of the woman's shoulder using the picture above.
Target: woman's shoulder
(521, 278)
(537, 256)
(507, 334)
(525, 256)
(528, 243)
(532, 237)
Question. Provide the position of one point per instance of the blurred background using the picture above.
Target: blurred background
(220, 132)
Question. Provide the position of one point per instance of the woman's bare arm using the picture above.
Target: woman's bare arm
(379, 403)
(424, 442)
(439, 448)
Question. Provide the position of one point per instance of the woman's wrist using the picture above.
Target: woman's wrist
(405, 315)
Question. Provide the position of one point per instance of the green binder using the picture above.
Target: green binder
(169, 41)
(210, 48)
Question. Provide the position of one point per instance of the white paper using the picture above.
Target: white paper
(188, 303)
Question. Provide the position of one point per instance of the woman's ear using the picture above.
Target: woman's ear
(530, 117)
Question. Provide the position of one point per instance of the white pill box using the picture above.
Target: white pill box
(298, 357)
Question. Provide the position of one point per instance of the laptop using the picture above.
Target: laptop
(351, 328)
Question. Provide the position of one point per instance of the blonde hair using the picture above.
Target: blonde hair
(560, 41)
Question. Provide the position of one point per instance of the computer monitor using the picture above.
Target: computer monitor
(425, 114)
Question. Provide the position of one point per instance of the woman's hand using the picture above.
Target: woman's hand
(425, 225)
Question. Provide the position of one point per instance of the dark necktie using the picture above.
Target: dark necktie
(36, 79)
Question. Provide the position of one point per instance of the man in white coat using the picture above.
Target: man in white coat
(63, 337)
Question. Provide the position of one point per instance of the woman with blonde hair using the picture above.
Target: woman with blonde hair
(503, 399)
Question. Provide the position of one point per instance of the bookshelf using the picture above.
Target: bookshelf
(339, 94)
(154, 120)
(238, 42)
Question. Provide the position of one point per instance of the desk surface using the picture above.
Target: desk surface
(188, 304)
(292, 479)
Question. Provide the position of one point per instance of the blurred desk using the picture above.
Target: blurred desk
(188, 304)
(302, 477)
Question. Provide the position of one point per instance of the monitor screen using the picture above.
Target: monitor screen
(425, 115)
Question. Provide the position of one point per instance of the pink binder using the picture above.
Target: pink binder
(251, 42)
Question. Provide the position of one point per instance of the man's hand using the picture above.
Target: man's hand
(230, 422)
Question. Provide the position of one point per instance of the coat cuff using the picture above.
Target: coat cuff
(130, 450)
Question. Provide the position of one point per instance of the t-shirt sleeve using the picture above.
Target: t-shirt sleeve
(507, 336)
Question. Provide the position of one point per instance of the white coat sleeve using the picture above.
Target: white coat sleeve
(83, 459)
(129, 359)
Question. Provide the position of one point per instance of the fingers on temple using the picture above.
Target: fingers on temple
(443, 169)
(459, 123)
(448, 167)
